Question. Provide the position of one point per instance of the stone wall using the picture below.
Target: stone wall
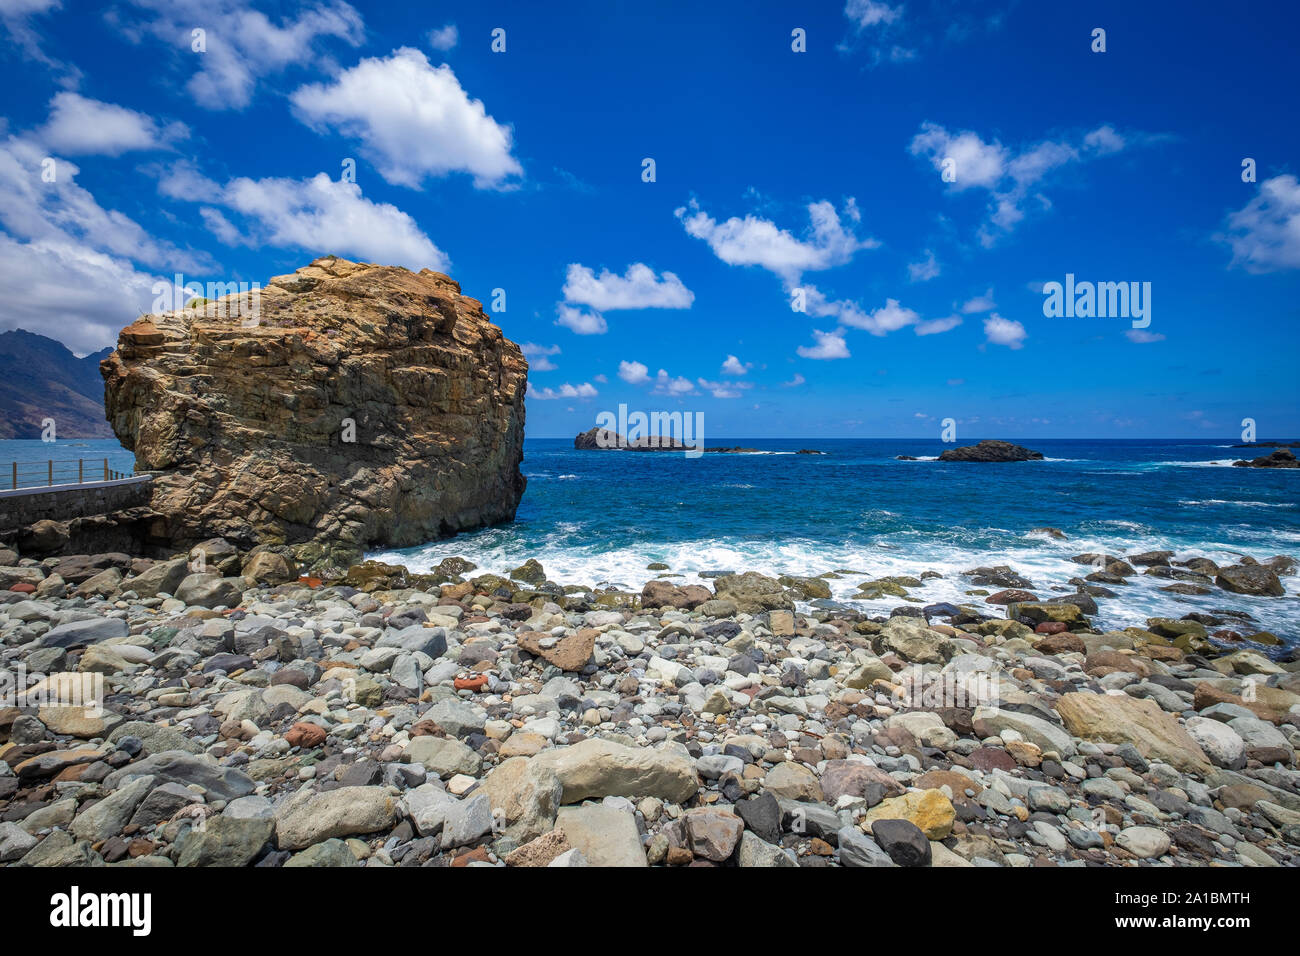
(105, 516)
(29, 505)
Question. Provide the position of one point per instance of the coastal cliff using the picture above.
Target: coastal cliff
(358, 405)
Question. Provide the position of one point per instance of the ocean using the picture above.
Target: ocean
(599, 517)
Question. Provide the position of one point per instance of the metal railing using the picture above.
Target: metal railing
(71, 471)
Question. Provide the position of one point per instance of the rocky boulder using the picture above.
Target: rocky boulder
(359, 405)
(753, 592)
(1119, 719)
(663, 594)
(1279, 459)
(1250, 579)
(991, 450)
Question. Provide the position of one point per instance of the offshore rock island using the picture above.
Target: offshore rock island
(604, 439)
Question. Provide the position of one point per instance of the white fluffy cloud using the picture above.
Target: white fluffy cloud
(983, 303)
(634, 373)
(880, 321)
(584, 390)
(33, 209)
(322, 215)
(587, 295)
(1142, 336)
(69, 268)
(637, 288)
(665, 384)
(724, 389)
(70, 292)
(754, 241)
(81, 126)
(936, 326)
(925, 270)
(890, 317)
(444, 38)
(414, 120)
(539, 356)
(581, 321)
(319, 215)
(1010, 177)
(734, 366)
(1000, 331)
(242, 44)
(865, 14)
(1265, 233)
(975, 163)
(830, 345)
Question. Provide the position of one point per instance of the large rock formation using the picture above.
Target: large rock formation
(364, 405)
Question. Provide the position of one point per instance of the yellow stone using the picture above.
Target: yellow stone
(930, 810)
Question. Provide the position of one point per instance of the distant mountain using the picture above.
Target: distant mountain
(40, 378)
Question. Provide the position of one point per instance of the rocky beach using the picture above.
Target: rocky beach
(244, 715)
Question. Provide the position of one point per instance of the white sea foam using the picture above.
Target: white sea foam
(1047, 564)
(1242, 504)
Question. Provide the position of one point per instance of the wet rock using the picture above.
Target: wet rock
(1250, 579)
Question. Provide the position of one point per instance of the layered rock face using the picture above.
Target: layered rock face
(363, 405)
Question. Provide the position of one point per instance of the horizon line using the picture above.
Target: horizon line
(960, 441)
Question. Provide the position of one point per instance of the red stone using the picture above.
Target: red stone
(477, 855)
(1050, 627)
(471, 683)
(306, 735)
(992, 758)
(23, 587)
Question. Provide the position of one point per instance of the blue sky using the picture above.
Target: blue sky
(778, 174)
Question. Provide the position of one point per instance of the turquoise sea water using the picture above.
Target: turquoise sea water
(599, 517)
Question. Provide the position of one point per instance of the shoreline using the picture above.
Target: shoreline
(1045, 564)
(463, 718)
